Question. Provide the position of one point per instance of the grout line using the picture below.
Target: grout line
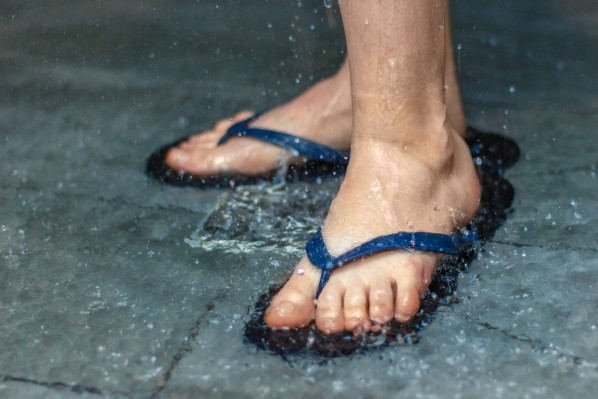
(186, 347)
(110, 201)
(61, 386)
(556, 172)
(546, 247)
(534, 343)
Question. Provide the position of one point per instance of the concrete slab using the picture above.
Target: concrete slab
(113, 286)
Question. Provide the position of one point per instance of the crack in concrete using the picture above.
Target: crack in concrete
(535, 344)
(546, 247)
(554, 172)
(61, 386)
(186, 347)
(112, 201)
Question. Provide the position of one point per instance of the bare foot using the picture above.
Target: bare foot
(321, 114)
(432, 188)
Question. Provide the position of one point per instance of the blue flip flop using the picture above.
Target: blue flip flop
(493, 152)
(320, 160)
(418, 241)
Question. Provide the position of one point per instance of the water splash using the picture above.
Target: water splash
(266, 217)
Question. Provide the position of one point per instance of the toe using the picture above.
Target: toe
(293, 306)
(381, 301)
(290, 308)
(178, 158)
(239, 116)
(223, 124)
(407, 300)
(355, 309)
(329, 311)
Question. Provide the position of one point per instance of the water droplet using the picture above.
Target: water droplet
(328, 3)
(512, 89)
(269, 25)
(412, 242)
(182, 122)
(300, 272)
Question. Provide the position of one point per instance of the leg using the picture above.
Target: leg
(325, 107)
(410, 170)
(322, 114)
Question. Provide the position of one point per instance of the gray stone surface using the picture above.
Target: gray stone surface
(115, 287)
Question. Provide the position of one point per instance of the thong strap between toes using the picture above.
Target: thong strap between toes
(419, 241)
(299, 145)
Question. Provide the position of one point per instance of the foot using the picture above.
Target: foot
(432, 187)
(321, 114)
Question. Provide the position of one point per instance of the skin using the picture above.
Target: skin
(410, 169)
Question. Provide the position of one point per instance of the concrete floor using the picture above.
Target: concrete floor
(110, 286)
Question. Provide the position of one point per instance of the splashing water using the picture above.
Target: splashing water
(267, 217)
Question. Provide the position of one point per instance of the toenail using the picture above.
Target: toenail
(328, 324)
(181, 156)
(402, 318)
(284, 308)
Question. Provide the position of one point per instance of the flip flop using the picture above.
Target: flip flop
(416, 241)
(492, 153)
(321, 161)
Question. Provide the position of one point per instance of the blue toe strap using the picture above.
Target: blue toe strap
(300, 145)
(432, 242)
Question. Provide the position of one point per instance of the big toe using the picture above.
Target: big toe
(290, 308)
(293, 306)
(189, 161)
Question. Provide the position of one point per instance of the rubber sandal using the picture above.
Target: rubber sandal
(416, 241)
(492, 154)
(321, 161)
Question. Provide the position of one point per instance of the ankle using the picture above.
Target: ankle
(432, 144)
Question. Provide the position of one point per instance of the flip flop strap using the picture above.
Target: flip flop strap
(299, 145)
(419, 241)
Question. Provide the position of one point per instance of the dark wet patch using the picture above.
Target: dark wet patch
(309, 171)
(498, 151)
(493, 154)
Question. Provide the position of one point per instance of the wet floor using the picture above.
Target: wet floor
(114, 286)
